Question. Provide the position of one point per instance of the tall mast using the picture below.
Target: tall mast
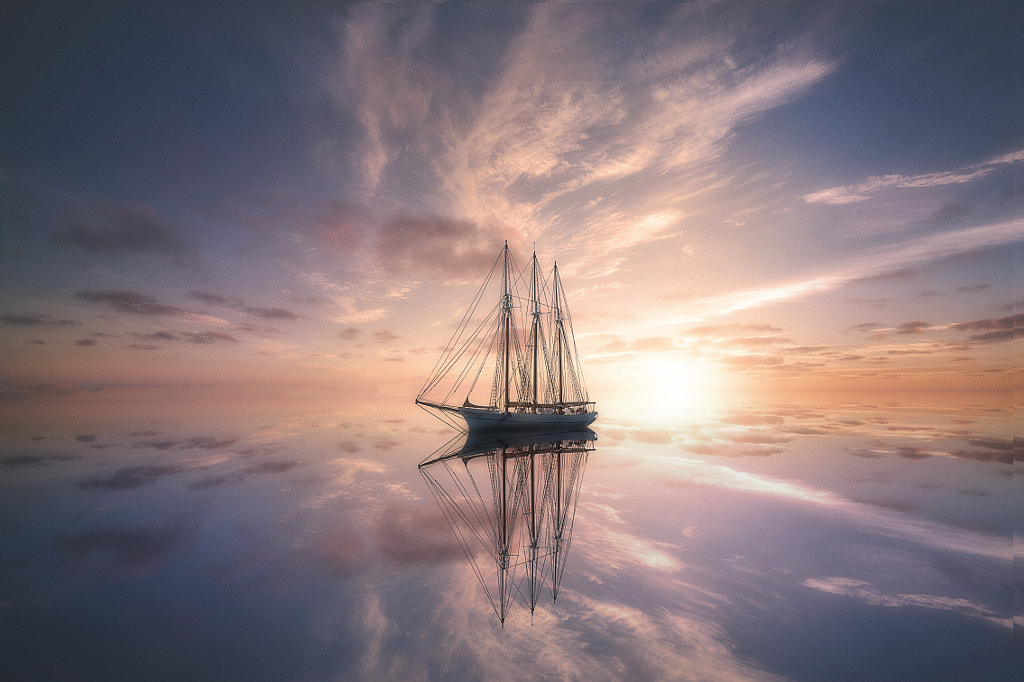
(536, 323)
(506, 295)
(558, 333)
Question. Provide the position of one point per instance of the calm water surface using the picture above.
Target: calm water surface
(804, 540)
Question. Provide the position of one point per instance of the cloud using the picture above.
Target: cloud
(35, 460)
(973, 288)
(859, 192)
(201, 338)
(131, 478)
(913, 452)
(236, 477)
(616, 549)
(384, 84)
(125, 229)
(985, 455)
(915, 327)
(655, 344)
(348, 333)
(132, 548)
(989, 324)
(543, 148)
(562, 124)
(752, 360)
(270, 313)
(207, 443)
(437, 246)
(208, 337)
(865, 327)
(275, 467)
(733, 330)
(884, 259)
(996, 330)
(131, 302)
(340, 552)
(896, 275)
(239, 305)
(35, 320)
(753, 419)
(994, 337)
(416, 536)
(85, 342)
(859, 589)
(215, 299)
(11, 391)
(385, 336)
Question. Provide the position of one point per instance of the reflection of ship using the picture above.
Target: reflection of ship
(527, 339)
(517, 537)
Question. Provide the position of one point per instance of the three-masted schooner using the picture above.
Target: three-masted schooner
(526, 342)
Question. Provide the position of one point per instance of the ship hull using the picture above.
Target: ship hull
(479, 419)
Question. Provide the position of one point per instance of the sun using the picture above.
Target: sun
(668, 387)
(678, 387)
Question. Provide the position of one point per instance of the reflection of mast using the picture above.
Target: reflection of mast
(525, 527)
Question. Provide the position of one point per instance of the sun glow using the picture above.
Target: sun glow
(664, 387)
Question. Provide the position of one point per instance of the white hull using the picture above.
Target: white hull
(477, 418)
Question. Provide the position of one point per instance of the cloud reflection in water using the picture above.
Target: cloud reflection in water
(788, 540)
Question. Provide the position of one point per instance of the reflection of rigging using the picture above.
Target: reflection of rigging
(520, 520)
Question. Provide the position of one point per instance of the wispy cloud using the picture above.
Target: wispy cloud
(440, 247)
(131, 302)
(129, 548)
(35, 320)
(126, 229)
(886, 522)
(383, 82)
(871, 263)
(993, 330)
(862, 191)
(236, 303)
(616, 158)
(552, 129)
(859, 589)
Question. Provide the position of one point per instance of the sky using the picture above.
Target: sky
(738, 195)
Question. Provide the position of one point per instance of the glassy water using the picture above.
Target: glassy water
(821, 539)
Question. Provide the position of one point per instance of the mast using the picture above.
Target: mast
(558, 335)
(503, 552)
(557, 544)
(536, 323)
(532, 556)
(507, 321)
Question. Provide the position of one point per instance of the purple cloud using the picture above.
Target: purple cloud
(125, 229)
(208, 337)
(439, 246)
(131, 302)
(131, 478)
(995, 330)
(238, 304)
(139, 548)
(35, 320)
(915, 327)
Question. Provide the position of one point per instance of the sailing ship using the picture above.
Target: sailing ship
(511, 503)
(526, 342)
